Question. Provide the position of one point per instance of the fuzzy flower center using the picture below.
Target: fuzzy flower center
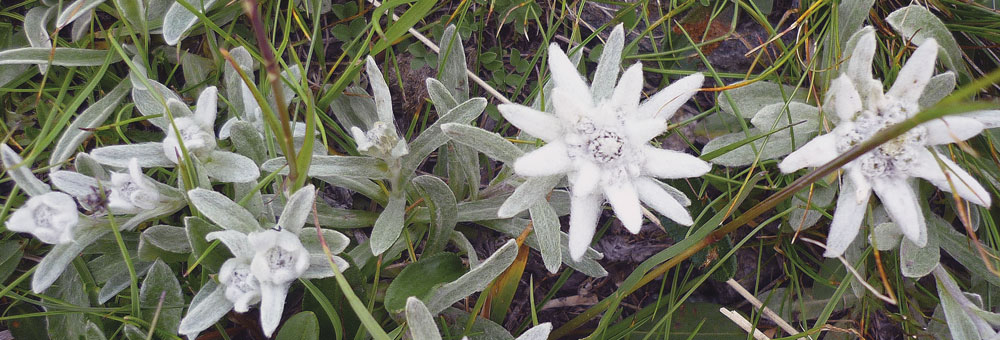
(242, 280)
(891, 158)
(278, 258)
(43, 216)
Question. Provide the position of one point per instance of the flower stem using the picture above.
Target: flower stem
(274, 78)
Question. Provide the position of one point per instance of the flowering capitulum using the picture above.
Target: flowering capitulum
(52, 217)
(599, 137)
(242, 288)
(886, 170)
(196, 130)
(280, 259)
(380, 141)
(132, 192)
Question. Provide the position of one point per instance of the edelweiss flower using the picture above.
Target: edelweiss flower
(195, 130)
(132, 192)
(381, 141)
(242, 288)
(51, 217)
(888, 168)
(601, 141)
(280, 258)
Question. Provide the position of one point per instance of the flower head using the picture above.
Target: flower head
(132, 192)
(381, 141)
(52, 217)
(279, 259)
(242, 288)
(887, 169)
(599, 137)
(196, 131)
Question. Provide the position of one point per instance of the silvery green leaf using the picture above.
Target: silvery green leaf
(940, 86)
(475, 280)
(63, 56)
(917, 262)
(432, 137)
(160, 240)
(236, 91)
(298, 208)
(92, 332)
(197, 229)
(335, 166)
(606, 75)
(148, 155)
(81, 25)
(133, 332)
(75, 10)
(463, 169)
(73, 183)
(775, 146)
(87, 165)
(161, 283)
(224, 212)
(462, 243)
(68, 290)
(156, 10)
(92, 117)
(803, 117)
(133, 11)
(440, 96)
(886, 236)
(851, 14)
(338, 218)
(547, 226)
(443, 211)
(178, 109)
(292, 75)
(196, 70)
(380, 91)
(254, 204)
(807, 211)
(540, 332)
(230, 167)
(150, 103)
(960, 324)
(207, 307)
(36, 30)
(353, 111)
(918, 24)
(21, 173)
(361, 185)
(482, 328)
(335, 241)
(588, 265)
(533, 190)
(178, 20)
(119, 280)
(451, 64)
(248, 142)
(751, 98)
(388, 225)
(675, 193)
(418, 318)
(489, 143)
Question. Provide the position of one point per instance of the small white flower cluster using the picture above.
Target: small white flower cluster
(195, 131)
(863, 111)
(265, 263)
(601, 142)
(52, 217)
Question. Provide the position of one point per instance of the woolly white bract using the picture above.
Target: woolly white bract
(863, 111)
(601, 140)
(51, 217)
(131, 192)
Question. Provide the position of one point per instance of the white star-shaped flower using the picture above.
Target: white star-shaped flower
(52, 217)
(601, 142)
(197, 130)
(863, 111)
(132, 192)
